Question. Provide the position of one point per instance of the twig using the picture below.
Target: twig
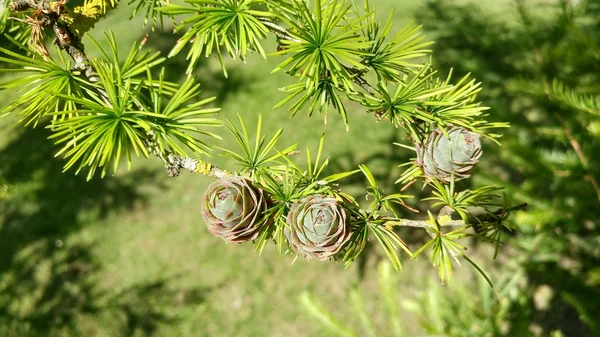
(357, 76)
(174, 163)
(447, 211)
(421, 223)
(580, 155)
(278, 30)
(70, 43)
(497, 214)
(65, 39)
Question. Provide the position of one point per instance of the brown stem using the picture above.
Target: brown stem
(357, 76)
(580, 155)
(574, 143)
(70, 43)
(23, 5)
(65, 39)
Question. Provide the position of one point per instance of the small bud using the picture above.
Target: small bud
(144, 40)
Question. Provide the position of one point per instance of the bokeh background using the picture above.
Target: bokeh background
(129, 255)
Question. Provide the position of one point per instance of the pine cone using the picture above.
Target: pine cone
(317, 227)
(232, 208)
(441, 156)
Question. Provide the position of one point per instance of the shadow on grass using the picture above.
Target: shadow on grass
(53, 289)
(47, 204)
(48, 279)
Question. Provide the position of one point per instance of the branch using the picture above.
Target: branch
(23, 5)
(447, 222)
(489, 218)
(278, 30)
(574, 143)
(71, 43)
(358, 79)
(52, 16)
(580, 155)
(421, 223)
(174, 163)
(65, 39)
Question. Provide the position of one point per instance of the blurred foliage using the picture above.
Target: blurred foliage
(455, 311)
(540, 71)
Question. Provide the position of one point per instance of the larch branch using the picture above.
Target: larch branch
(445, 215)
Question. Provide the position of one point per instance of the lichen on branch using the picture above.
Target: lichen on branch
(81, 19)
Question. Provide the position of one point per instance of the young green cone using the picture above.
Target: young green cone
(317, 227)
(456, 153)
(232, 208)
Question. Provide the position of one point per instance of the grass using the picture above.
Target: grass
(130, 256)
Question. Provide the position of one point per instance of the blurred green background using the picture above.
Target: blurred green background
(129, 255)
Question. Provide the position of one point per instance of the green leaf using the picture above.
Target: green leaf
(179, 116)
(115, 115)
(234, 24)
(323, 50)
(36, 83)
(487, 279)
(150, 11)
(400, 55)
(365, 170)
(316, 309)
(390, 242)
(259, 157)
